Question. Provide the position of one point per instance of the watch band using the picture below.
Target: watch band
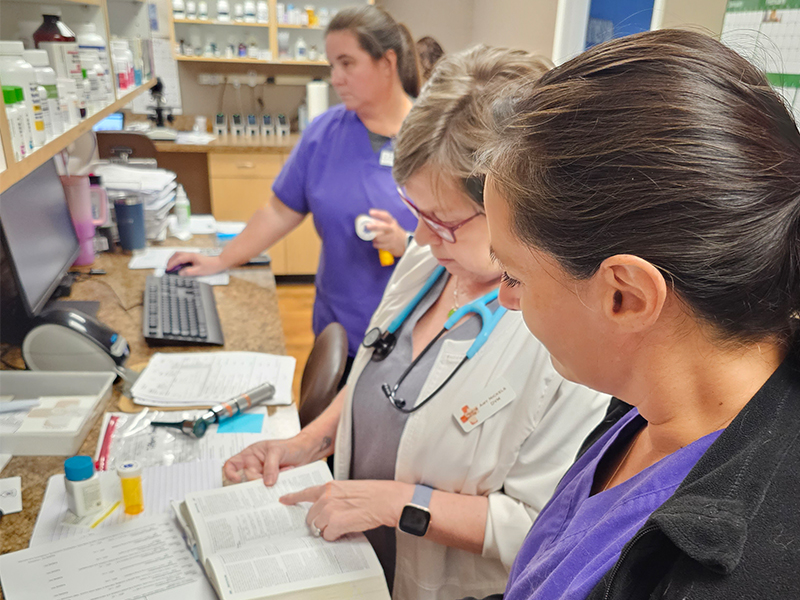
(422, 495)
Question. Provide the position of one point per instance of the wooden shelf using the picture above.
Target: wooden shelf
(252, 61)
(315, 28)
(209, 22)
(57, 2)
(17, 170)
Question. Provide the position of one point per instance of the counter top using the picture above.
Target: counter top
(229, 144)
(248, 309)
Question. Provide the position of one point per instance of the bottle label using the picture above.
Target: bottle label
(52, 92)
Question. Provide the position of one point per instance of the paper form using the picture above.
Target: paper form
(133, 436)
(147, 561)
(208, 378)
(160, 486)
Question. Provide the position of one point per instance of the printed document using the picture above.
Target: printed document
(208, 378)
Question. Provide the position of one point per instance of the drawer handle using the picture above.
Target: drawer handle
(245, 165)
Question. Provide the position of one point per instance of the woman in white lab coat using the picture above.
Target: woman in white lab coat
(479, 443)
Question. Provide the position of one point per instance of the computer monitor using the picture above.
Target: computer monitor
(113, 122)
(39, 240)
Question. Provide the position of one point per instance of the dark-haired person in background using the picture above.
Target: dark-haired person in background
(429, 52)
(341, 168)
(644, 201)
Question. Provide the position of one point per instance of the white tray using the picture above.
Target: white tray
(59, 426)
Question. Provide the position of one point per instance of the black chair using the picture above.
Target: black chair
(322, 372)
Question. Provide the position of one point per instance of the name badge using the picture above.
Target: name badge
(484, 404)
(387, 158)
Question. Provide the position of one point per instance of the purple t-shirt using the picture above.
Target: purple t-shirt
(334, 174)
(577, 538)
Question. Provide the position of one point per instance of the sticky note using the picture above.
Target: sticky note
(242, 423)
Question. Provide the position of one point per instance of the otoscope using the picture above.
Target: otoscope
(197, 428)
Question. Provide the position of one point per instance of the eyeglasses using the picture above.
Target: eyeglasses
(446, 232)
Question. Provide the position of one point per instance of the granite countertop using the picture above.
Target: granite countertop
(248, 309)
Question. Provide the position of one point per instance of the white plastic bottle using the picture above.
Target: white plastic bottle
(84, 495)
(15, 121)
(300, 49)
(14, 70)
(70, 92)
(122, 68)
(183, 209)
(223, 11)
(89, 40)
(46, 77)
(64, 105)
(97, 90)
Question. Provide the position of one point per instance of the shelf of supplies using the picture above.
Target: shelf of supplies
(252, 61)
(18, 170)
(208, 22)
(315, 27)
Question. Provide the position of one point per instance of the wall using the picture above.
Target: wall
(526, 24)
(448, 21)
(703, 14)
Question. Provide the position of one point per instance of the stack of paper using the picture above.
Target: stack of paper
(208, 378)
(158, 257)
(155, 186)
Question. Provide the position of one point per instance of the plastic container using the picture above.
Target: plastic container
(99, 198)
(191, 9)
(250, 11)
(16, 122)
(46, 77)
(60, 43)
(182, 209)
(130, 476)
(14, 70)
(238, 12)
(178, 9)
(122, 59)
(262, 12)
(283, 44)
(91, 43)
(223, 11)
(300, 49)
(202, 10)
(68, 92)
(84, 495)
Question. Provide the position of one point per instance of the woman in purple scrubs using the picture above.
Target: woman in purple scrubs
(342, 168)
(644, 201)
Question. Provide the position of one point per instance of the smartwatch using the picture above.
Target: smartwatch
(416, 517)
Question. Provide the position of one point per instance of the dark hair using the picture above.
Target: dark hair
(429, 52)
(377, 33)
(669, 146)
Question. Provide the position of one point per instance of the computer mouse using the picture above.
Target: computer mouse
(177, 268)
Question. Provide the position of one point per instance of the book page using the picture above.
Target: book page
(281, 566)
(148, 560)
(238, 515)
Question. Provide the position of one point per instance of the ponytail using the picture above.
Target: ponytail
(377, 33)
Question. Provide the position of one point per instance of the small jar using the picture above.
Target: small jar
(202, 11)
(130, 476)
(84, 495)
(178, 9)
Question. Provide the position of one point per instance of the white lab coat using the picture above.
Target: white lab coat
(515, 457)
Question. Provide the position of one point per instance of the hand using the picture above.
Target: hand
(264, 460)
(342, 507)
(201, 264)
(390, 236)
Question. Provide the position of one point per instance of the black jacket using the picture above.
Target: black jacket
(731, 531)
(732, 528)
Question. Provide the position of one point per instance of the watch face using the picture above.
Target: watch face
(414, 520)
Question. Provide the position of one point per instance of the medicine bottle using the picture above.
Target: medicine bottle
(130, 475)
(46, 77)
(16, 122)
(183, 209)
(83, 486)
(60, 43)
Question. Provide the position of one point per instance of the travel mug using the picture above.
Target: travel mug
(129, 209)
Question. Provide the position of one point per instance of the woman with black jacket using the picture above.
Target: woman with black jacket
(644, 201)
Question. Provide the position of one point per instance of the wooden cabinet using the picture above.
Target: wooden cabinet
(241, 184)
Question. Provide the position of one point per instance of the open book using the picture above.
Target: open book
(254, 548)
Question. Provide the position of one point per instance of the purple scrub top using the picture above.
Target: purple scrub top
(577, 538)
(334, 174)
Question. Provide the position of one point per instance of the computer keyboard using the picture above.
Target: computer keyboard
(180, 311)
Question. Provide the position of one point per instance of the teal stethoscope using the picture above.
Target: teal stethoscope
(382, 344)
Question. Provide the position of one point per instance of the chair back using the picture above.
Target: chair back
(322, 372)
(125, 146)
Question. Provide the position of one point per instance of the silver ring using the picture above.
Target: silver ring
(315, 531)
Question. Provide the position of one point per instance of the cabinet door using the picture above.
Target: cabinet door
(238, 199)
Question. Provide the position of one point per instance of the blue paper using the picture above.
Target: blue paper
(242, 423)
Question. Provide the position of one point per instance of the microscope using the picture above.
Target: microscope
(160, 131)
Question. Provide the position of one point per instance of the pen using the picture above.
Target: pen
(18, 405)
(227, 409)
